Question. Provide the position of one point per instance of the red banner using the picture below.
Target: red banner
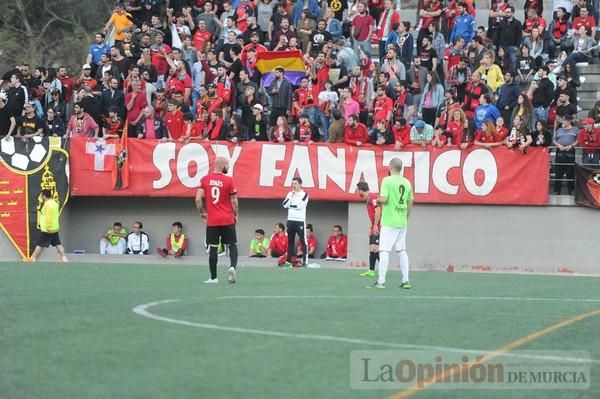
(329, 171)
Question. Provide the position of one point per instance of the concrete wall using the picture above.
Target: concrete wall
(462, 237)
(91, 217)
(509, 238)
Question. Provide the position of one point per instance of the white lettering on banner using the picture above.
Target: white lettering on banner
(189, 153)
(365, 169)
(222, 150)
(270, 155)
(161, 157)
(300, 163)
(479, 168)
(421, 181)
(331, 166)
(480, 160)
(443, 163)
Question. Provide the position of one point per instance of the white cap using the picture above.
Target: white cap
(86, 66)
(258, 107)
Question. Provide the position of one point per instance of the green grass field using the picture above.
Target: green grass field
(69, 331)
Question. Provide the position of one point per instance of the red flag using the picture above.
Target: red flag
(120, 173)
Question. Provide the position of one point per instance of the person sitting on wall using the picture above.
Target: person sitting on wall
(278, 244)
(337, 245)
(312, 243)
(259, 246)
(138, 242)
(177, 242)
(114, 241)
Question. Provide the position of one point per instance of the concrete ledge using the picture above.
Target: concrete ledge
(245, 261)
(153, 259)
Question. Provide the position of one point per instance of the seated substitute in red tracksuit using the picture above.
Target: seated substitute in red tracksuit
(337, 245)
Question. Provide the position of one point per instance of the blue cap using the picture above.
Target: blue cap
(420, 124)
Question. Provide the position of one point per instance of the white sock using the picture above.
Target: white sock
(403, 256)
(384, 259)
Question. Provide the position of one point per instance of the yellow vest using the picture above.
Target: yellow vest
(176, 245)
(48, 217)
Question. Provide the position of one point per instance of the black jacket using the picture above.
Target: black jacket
(544, 94)
(510, 33)
(374, 134)
(113, 99)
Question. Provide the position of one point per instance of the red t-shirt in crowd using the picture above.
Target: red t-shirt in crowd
(382, 108)
(278, 244)
(139, 104)
(175, 83)
(68, 84)
(497, 137)
(455, 129)
(174, 124)
(402, 134)
(200, 39)
(361, 26)
(158, 59)
(218, 189)
(353, 136)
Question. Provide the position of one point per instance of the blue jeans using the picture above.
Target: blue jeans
(195, 98)
(318, 118)
(541, 114)
(365, 45)
(512, 53)
(591, 158)
(325, 122)
(576, 57)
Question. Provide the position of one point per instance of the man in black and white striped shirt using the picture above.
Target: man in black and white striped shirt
(295, 202)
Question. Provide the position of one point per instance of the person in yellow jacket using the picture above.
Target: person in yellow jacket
(49, 227)
(491, 74)
(177, 242)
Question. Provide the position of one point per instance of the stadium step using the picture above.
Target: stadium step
(590, 78)
(586, 104)
(581, 115)
(588, 87)
(588, 95)
(585, 70)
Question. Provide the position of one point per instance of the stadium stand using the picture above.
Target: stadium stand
(216, 61)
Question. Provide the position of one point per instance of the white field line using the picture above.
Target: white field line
(142, 310)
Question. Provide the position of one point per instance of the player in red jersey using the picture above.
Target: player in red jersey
(374, 212)
(217, 202)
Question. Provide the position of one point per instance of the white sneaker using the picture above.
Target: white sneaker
(212, 281)
(377, 285)
(232, 275)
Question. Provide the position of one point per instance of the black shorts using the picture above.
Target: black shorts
(226, 235)
(47, 239)
(374, 239)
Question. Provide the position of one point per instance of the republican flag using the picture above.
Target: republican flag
(99, 155)
(120, 172)
(291, 61)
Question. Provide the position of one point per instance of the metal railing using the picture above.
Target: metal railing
(578, 159)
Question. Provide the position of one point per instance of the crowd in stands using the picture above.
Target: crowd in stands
(185, 70)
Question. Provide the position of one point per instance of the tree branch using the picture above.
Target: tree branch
(61, 19)
(28, 30)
